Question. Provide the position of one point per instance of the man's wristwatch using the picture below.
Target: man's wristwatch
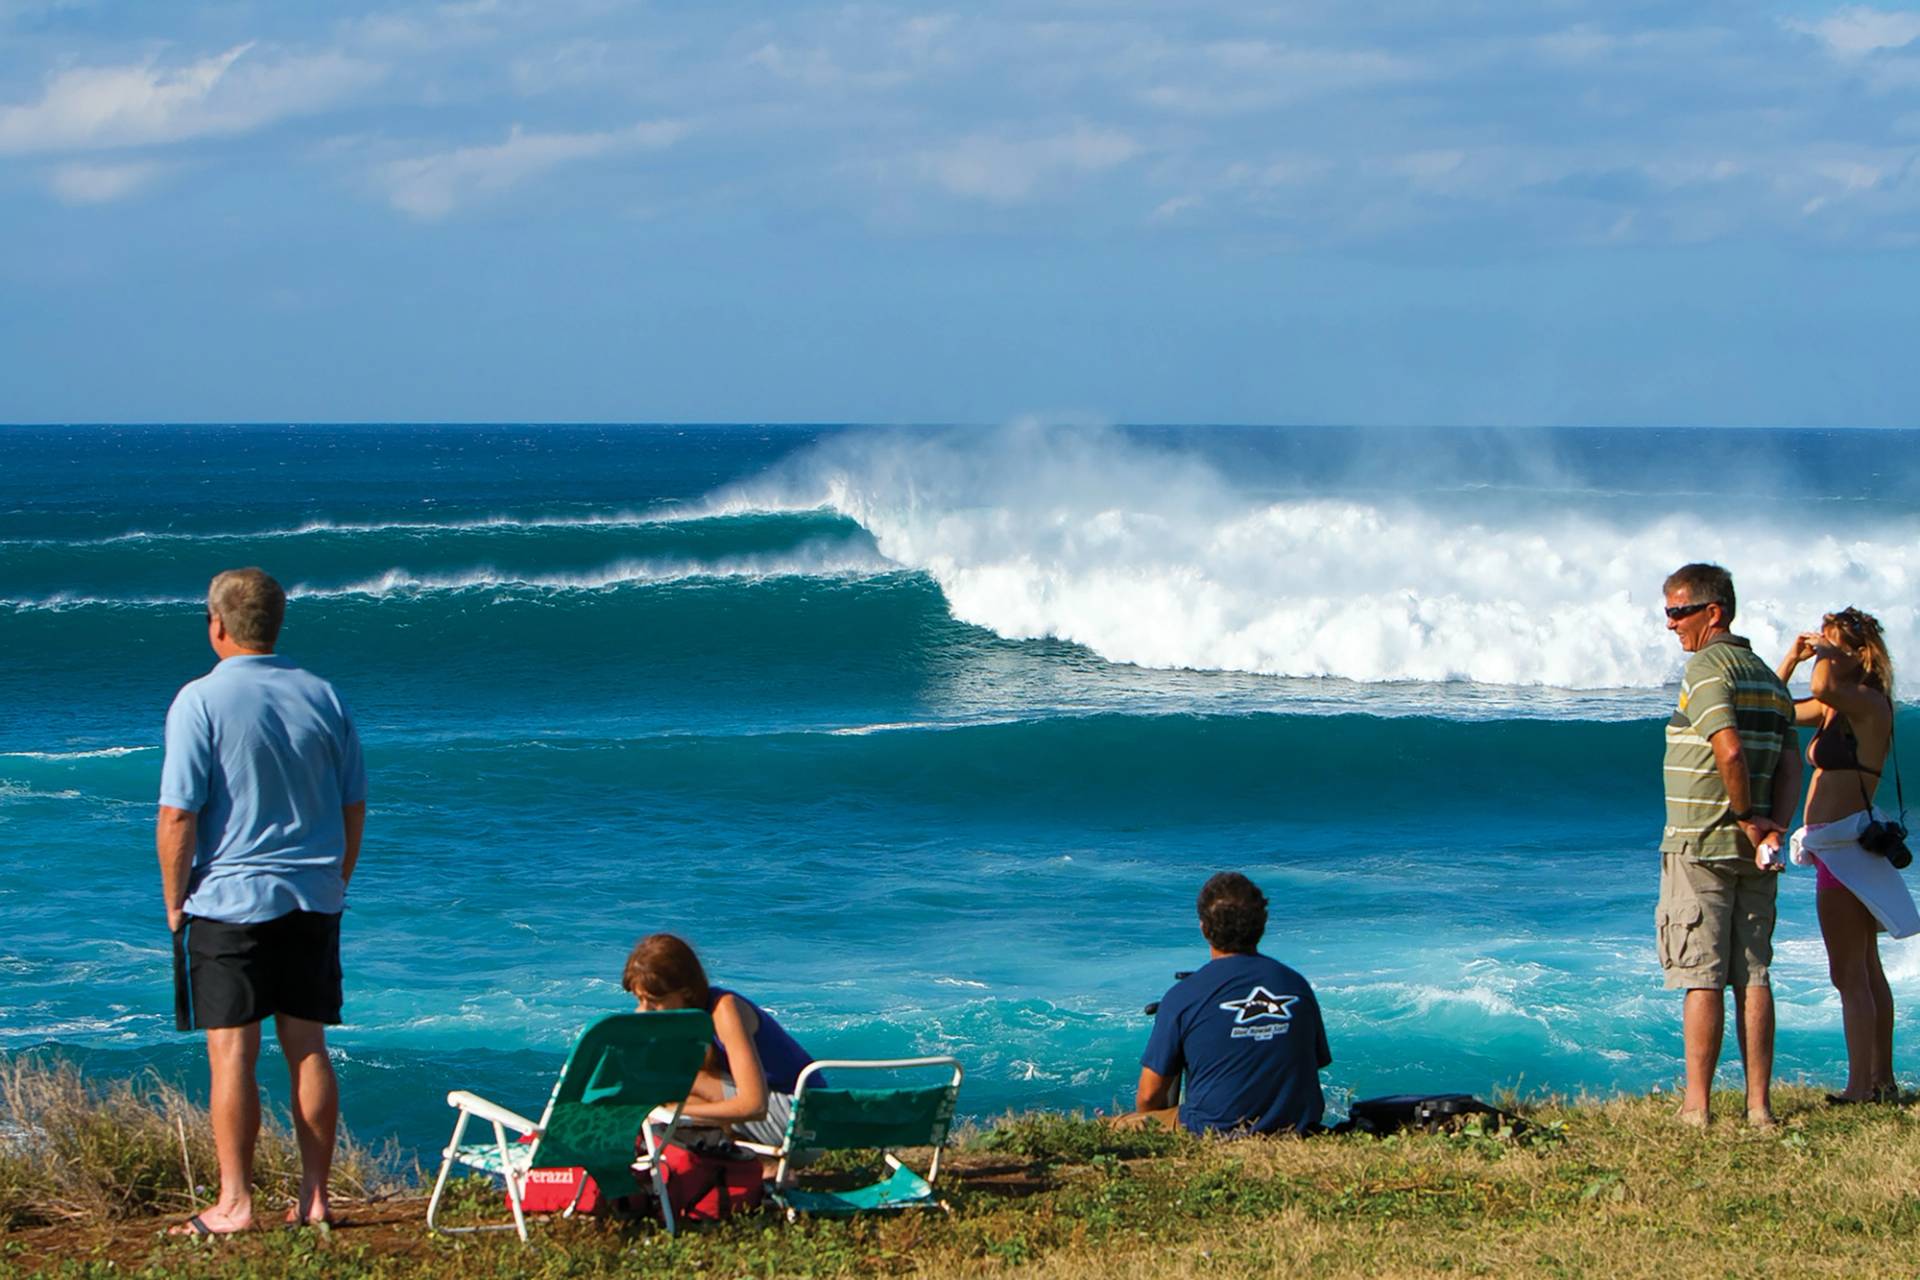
(1742, 817)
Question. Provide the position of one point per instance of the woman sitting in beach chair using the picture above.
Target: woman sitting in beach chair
(752, 1066)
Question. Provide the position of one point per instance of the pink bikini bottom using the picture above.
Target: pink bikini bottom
(1823, 879)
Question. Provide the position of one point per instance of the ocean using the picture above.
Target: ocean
(927, 737)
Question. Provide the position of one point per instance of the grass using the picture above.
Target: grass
(1604, 1187)
(75, 1151)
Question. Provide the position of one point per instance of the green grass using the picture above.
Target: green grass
(1592, 1188)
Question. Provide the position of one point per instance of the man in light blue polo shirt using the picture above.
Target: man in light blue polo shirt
(262, 803)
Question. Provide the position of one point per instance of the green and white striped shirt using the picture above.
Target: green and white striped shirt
(1725, 686)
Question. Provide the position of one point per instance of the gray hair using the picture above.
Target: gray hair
(1704, 584)
(250, 605)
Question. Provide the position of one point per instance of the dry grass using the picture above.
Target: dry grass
(1612, 1188)
(75, 1150)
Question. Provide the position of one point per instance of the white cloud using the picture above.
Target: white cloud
(87, 183)
(573, 65)
(143, 104)
(433, 186)
(1171, 210)
(1003, 170)
(816, 68)
(1856, 31)
(1429, 167)
(1238, 77)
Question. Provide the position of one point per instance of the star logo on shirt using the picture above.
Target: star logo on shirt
(1260, 1003)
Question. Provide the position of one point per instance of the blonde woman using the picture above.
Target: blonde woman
(1857, 893)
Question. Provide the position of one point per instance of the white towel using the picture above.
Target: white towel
(1870, 877)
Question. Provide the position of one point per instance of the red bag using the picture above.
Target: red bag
(711, 1183)
(552, 1190)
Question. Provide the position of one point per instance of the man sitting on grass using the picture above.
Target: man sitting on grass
(1245, 1029)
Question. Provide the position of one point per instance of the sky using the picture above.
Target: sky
(1404, 212)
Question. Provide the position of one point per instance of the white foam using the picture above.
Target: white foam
(825, 559)
(1148, 556)
(103, 753)
(833, 561)
(311, 527)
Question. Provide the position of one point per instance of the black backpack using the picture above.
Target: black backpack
(1424, 1111)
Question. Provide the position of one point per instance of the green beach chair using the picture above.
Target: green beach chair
(840, 1119)
(620, 1069)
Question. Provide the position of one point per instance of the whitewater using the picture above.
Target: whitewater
(927, 736)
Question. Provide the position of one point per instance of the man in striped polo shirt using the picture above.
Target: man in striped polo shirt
(1732, 776)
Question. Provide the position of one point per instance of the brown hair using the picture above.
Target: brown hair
(1233, 913)
(1860, 632)
(250, 605)
(664, 969)
(1704, 584)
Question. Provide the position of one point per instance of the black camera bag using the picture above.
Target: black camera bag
(1887, 839)
(1424, 1111)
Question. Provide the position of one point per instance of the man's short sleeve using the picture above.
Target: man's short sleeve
(189, 754)
(1709, 699)
(1163, 1055)
(353, 766)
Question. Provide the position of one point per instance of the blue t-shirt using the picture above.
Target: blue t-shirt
(267, 756)
(1247, 1032)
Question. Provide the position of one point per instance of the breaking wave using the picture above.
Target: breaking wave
(1156, 557)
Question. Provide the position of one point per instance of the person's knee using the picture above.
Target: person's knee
(300, 1038)
(1849, 972)
(234, 1047)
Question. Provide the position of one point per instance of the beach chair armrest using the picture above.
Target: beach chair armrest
(758, 1148)
(474, 1104)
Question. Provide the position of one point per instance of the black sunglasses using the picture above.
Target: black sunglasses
(1679, 611)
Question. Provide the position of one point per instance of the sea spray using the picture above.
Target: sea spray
(1156, 558)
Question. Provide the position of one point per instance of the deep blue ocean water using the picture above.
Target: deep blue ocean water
(927, 738)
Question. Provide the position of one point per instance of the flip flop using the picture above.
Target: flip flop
(1842, 1100)
(194, 1228)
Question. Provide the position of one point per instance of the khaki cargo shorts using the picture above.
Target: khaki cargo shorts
(1715, 922)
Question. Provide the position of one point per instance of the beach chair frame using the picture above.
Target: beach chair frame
(582, 1083)
(904, 1188)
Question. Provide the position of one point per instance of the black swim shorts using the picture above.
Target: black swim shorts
(230, 975)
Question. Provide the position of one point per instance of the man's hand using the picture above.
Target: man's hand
(175, 918)
(1757, 829)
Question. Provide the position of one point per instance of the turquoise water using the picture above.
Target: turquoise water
(927, 738)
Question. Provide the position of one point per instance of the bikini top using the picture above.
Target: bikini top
(1842, 751)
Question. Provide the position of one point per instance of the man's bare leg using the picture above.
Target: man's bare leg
(316, 1112)
(1754, 1007)
(234, 1105)
(1703, 1025)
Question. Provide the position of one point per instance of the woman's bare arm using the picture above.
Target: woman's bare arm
(749, 1100)
(1835, 683)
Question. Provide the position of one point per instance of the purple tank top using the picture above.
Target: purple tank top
(781, 1057)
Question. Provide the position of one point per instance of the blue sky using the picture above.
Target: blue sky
(1401, 212)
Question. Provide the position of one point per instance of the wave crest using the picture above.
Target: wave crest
(1152, 556)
